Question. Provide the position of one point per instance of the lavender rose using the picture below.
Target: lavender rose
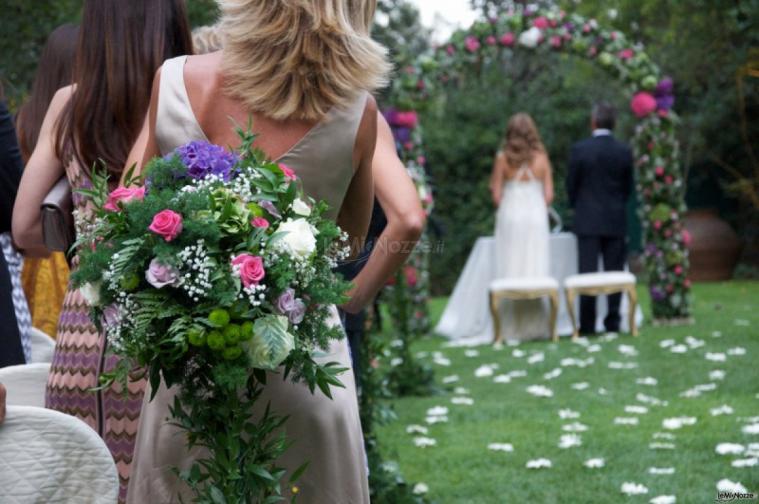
(289, 305)
(160, 275)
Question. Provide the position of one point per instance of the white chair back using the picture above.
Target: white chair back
(25, 384)
(47, 456)
(43, 346)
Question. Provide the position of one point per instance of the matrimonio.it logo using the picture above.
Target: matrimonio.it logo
(735, 496)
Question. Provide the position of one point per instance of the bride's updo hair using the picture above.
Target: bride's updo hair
(296, 59)
(522, 140)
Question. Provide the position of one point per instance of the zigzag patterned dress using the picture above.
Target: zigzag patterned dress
(79, 360)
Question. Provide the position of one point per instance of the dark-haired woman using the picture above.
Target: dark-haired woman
(121, 44)
(45, 278)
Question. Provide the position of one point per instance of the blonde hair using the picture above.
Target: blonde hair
(207, 39)
(522, 140)
(296, 59)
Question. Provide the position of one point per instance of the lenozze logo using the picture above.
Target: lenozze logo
(733, 496)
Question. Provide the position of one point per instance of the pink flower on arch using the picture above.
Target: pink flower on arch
(626, 54)
(659, 171)
(687, 238)
(556, 42)
(507, 39)
(491, 41)
(450, 50)
(668, 180)
(541, 23)
(657, 225)
(472, 44)
(678, 270)
(643, 104)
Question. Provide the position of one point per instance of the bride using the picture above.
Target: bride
(522, 188)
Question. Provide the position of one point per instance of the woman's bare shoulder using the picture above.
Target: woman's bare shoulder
(61, 98)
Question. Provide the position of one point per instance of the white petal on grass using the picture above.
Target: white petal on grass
(622, 365)
(422, 355)
(694, 342)
(678, 422)
(540, 463)
(513, 342)
(737, 351)
(716, 334)
(648, 380)
(504, 447)
(722, 410)
(502, 379)
(461, 391)
(462, 401)
(417, 429)
(629, 488)
(569, 441)
(752, 450)
(715, 356)
(424, 442)
(574, 427)
(628, 350)
(421, 488)
(517, 373)
(751, 429)
(679, 349)
(717, 374)
(432, 420)
(437, 411)
(552, 374)
(663, 499)
(441, 361)
(583, 341)
(602, 391)
(568, 414)
(580, 385)
(661, 471)
(634, 409)
(647, 399)
(594, 348)
(536, 357)
(747, 462)
(666, 343)
(626, 421)
(594, 463)
(450, 379)
(610, 336)
(471, 353)
(742, 322)
(690, 393)
(664, 435)
(725, 485)
(661, 446)
(396, 361)
(729, 449)
(396, 343)
(483, 371)
(540, 391)
(517, 353)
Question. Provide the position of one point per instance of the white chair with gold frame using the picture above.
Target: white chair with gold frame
(598, 284)
(519, 289)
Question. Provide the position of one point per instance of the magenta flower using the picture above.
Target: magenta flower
(289, 172)
(250, 268)
(472, 44)
(643, 104)
(260, 222)
(508, 39)
(491, 41)
(123, 195)
(556, 42)
(450, 49)
(626, 54)
(541, 23)
(167, 224)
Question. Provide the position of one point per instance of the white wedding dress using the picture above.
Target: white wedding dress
(521, 246)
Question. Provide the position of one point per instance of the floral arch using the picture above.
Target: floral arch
(657, 161)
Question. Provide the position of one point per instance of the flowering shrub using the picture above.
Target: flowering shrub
(215, 271)
(656, 147)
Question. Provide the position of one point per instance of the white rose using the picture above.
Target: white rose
(531, 38)
(91, 293)
(300, 237)
(300, 207)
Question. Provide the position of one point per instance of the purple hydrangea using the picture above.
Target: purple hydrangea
(665, 98)
(203, 159)
(658, 294)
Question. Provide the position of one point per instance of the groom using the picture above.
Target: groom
(599, 183)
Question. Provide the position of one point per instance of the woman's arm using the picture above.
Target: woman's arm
(42, 172)
(496, 178)
(146, 146)
(548, 181)
(405, 220)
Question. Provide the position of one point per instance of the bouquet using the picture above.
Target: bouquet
(208, 271)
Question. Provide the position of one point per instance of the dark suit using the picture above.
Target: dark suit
(599, 183)
(11, 166)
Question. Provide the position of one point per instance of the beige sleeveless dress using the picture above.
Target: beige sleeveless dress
(325, 432)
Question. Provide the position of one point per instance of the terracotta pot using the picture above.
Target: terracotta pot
(714, 249)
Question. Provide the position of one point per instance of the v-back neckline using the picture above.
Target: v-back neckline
(188, 104)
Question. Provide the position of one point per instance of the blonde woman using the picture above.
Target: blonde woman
(522, 188)
(303, 70)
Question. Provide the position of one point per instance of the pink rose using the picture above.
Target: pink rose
(657, 225)
(472, 44)
(668, 180)
(289, 172)
(678, 270)
(491, 41)
(643, 104)
(540, 22)
(626, 54)
(507, 39)
(556, 42)
(260, 222)
(687, 238)
(659, 171)
(663, 113)
(408, 119)
(250, 268)
(123, 195)
(421, 160)
(410, 274)
(450, 50)
(586, 28)
(167, 224)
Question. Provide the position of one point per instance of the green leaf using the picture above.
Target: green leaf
(299, 472)
(217, 496)
(271, 343)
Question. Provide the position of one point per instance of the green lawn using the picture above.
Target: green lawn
(461, 468)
